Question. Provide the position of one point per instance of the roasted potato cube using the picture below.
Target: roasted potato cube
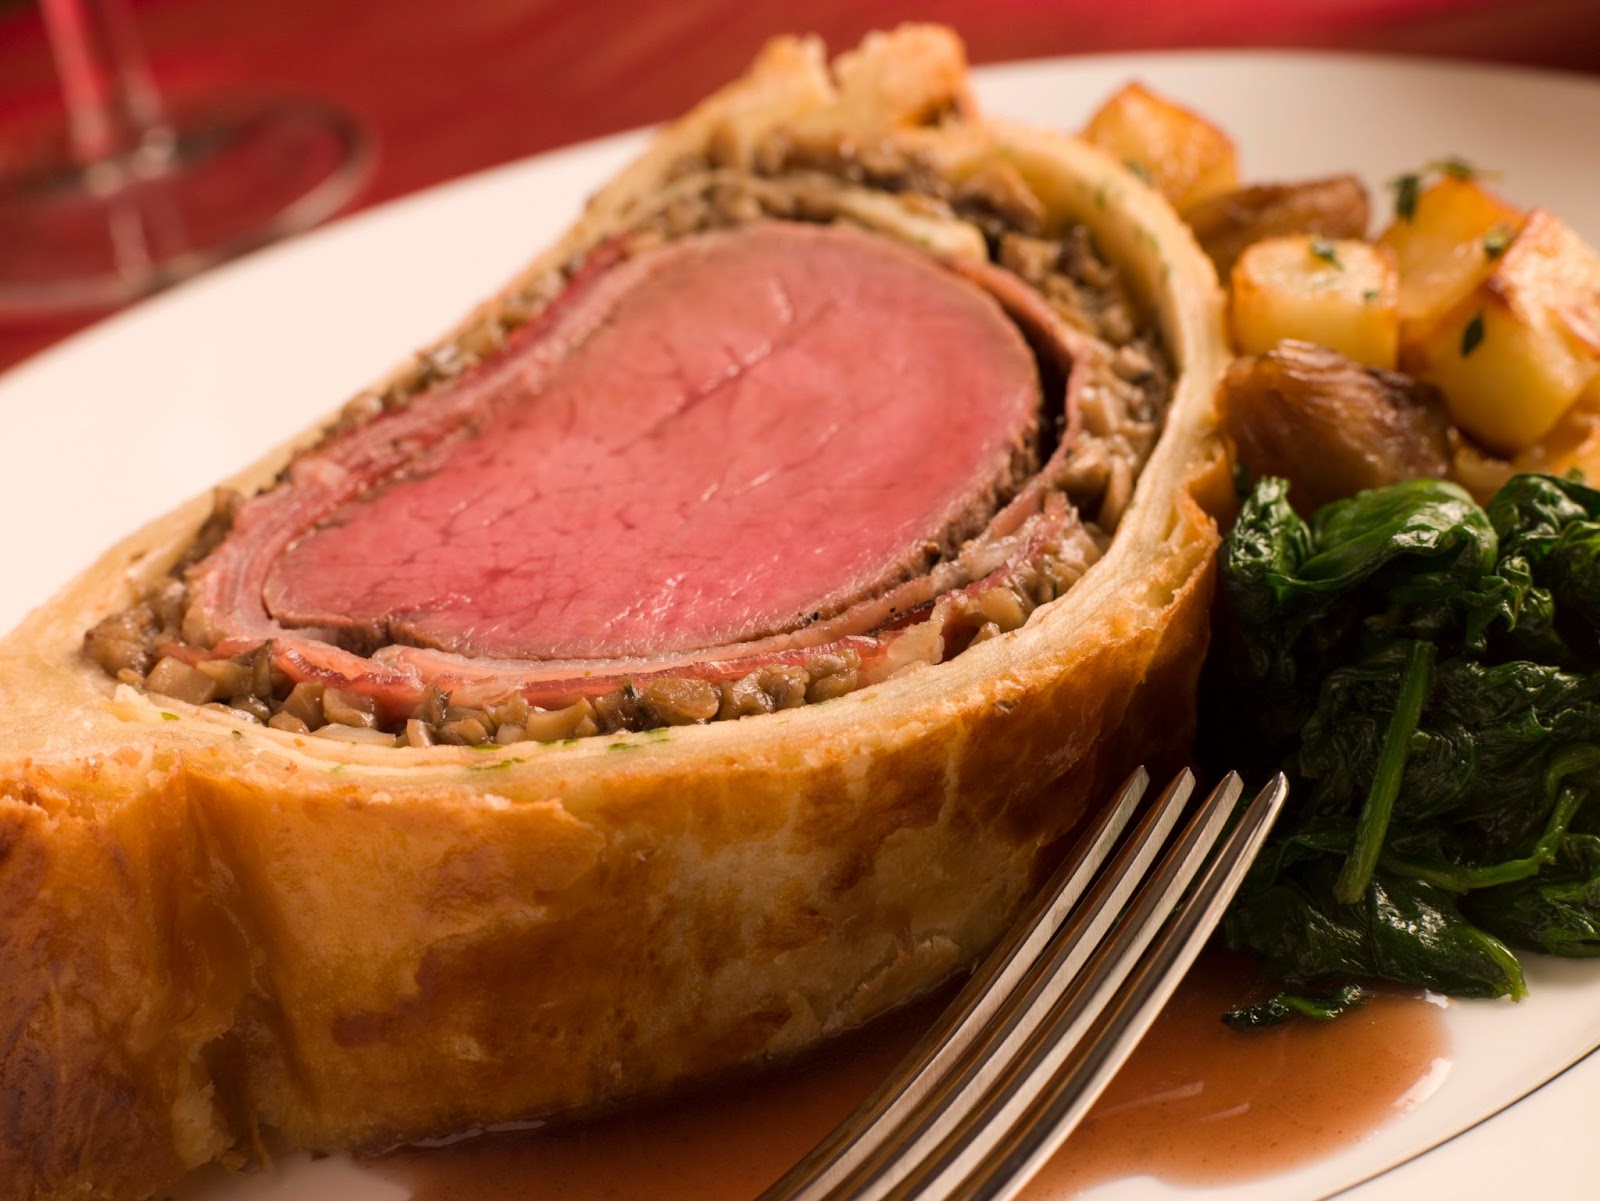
(1184, 156)
(1336, 207)
(1455, 234)
(1329, 425)
(1515, 352)
(1337, 293)
(1573, 445)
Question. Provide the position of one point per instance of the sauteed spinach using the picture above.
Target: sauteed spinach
(1428, 674)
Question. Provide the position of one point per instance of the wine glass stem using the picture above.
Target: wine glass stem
(114, 111)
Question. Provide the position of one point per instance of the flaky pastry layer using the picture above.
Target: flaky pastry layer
(208, 930)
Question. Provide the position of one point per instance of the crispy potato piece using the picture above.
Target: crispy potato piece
(1447, 247)
(1337, 293)
(1183, 155)
(1479, 471)
(1573, 445)
(1517, 350)
(1329, 425)
(1335, 207)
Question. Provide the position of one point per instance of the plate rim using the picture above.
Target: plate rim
(571, 156)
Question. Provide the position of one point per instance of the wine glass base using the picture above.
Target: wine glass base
(210, 184)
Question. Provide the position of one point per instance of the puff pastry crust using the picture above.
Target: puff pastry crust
(208, 930)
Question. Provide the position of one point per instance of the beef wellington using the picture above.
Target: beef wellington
(702, 649)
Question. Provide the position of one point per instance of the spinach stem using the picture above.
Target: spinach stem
(1584, 757)
(1465, 879)
(1416, 677)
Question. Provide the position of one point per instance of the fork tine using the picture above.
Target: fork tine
(1068, 999)
(1045, 1089)
(825, 1167)
(1043, 1025)
(940, 1111)
(1094, 1060)
(952, 1068)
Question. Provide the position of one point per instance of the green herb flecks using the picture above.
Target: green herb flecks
(1496, 241)
(1455, 167)
(1408, 187)
(498, 765)
(1472, 334)
(1406, 190)
(1325, 250)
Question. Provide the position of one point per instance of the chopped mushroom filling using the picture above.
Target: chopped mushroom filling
(1041, 537)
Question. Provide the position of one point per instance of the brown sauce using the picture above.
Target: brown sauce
(1197, 1104)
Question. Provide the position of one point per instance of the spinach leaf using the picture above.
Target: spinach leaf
(1413, 560)
(1556, 911)
(1574, 574)
(1550, 552)
(1279, 1009)
(1428, 674)
(1402, 929)
(1420, 554)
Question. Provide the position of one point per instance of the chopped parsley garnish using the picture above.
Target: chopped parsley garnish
(1496, 241)
(1406, 188)
(498, 766)
(1472, 335)
(1325, 250)
(1455, 167)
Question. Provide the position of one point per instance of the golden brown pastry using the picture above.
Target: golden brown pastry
(210, 928)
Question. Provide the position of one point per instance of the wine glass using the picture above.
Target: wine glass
(137, 194)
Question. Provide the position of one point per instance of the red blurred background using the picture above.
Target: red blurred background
(446, 87)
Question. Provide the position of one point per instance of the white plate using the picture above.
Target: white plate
(121, 422)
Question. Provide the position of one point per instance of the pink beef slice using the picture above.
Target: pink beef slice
(751, 427)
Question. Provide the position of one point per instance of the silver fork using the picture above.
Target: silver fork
(1035, 1036)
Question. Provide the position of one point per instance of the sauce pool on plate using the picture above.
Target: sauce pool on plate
(1198, 1103)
